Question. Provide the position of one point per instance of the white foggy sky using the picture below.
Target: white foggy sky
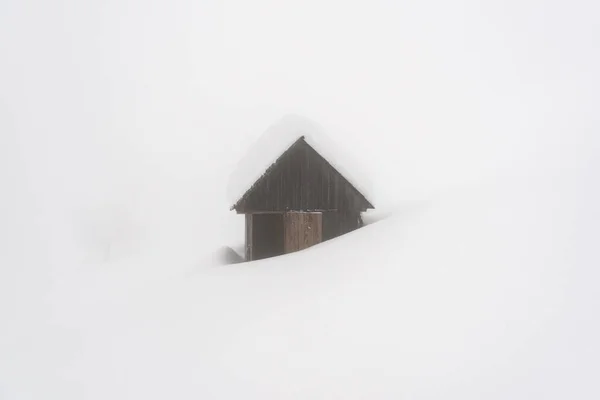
(149, 104)
(120, 121)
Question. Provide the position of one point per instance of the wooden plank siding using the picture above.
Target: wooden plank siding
(249, 237)
(301, 180)
(301, 200)
(302, 230)
(340, 223)
(267, 235)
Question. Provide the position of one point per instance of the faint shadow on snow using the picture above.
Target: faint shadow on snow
(373, 216)
(227, 256)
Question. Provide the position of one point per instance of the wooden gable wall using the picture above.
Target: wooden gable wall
(302, 180)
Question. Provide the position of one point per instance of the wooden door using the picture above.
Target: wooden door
(302, 230)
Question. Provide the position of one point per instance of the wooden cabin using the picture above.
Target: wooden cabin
(299, 201)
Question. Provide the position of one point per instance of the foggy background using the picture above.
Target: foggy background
(120, 121)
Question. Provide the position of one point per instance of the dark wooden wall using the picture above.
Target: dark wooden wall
(249, 237)
(274, 234)
(302, 180)
(300, 201)
(340, 223)
(267, 239)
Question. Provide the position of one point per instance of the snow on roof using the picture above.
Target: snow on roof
(276, 140)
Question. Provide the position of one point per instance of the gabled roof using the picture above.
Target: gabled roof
(276, 141)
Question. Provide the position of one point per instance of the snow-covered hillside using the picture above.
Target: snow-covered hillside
(477, 125)
(487, 291)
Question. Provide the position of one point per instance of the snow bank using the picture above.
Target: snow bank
(276, 140)
(488, 292)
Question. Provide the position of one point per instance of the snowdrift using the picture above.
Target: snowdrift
(484, 292)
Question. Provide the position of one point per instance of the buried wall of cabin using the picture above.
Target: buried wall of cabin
(274, 234)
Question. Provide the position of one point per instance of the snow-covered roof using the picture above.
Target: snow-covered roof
(276, 140)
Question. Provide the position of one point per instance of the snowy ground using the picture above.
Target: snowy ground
(476, 123)
(484, 292)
